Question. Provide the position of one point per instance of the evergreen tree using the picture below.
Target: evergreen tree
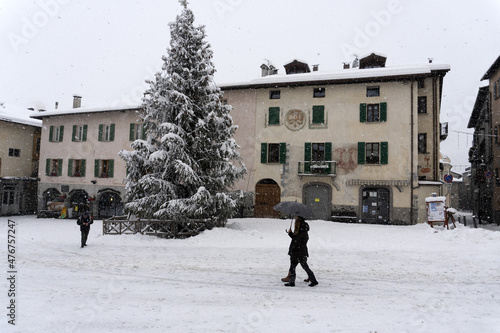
(189, 160)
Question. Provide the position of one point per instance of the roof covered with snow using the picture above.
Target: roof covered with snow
(352, 74)
(59, 112)
(18, 115)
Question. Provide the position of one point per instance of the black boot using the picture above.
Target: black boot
(290, 284)
(313, 283)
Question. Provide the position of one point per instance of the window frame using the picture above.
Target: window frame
(422, 104)
(56, 133)
(106, 132)
(319, 92)
(382, 113)
(265, 153)
(422, 143)
(104, 168)
(53, 167)
(14, 152)
(373, 91)
(76, 167)
(383, 153)
(274, 94)
(318, 115)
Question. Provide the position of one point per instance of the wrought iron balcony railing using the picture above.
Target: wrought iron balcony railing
(318, 168)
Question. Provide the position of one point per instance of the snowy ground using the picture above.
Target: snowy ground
(372, 278)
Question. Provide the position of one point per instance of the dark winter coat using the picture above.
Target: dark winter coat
(298, 245)
(84, 221)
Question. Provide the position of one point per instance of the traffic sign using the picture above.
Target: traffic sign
(488, 174)
(448, 178)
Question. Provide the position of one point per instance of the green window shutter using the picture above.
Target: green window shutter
(61, 133)
(307, 157)
(328, 155)
(47, 166)
(143, 132)
(83, 168)
(131, 132)
(73, 135)
(85, 127)
(274, 116)
(112, 132)
(384, 152)
(263, 153)
(282, 152)
(59, 167)
(361, 153)
(111, 168)
(362, 112)
(101, 128)
(96, 168)
(383, 111)
(51, 133)
(318, 114)
(70, 167)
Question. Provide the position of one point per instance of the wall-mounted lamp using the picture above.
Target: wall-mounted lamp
(93, 181)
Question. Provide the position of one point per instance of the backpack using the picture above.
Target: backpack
(304, 226)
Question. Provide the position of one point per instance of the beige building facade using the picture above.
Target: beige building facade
(79, 162)
(360, 144)
(19, 155)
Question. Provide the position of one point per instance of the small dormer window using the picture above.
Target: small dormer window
(372, 91)
(275, 94)
(319, 92)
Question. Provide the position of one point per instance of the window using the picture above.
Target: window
(421, 83)
(422, 143)
(495, 90)
(79, 133)
(104, 168)
(273, 153)
(319, 92)
(318, 116)
(76, 168)
(372, 91)
(373, 113)
(8, 195)
(373, 152)
(106, 132)
(317, 157)
(422, 104)
(56, 133)
(53, 167)
(274, 116)
(137, 132)
(13, 152)
(274, 94)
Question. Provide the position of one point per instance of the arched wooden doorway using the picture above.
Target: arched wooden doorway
(267, 195)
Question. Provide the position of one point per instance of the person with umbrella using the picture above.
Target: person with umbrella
(298, 251)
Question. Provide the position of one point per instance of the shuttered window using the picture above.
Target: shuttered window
(274, 116)
(56, 133)
(104, 168)
(373, 152)
(369, 113)
(53, 167)
(318, 116)
(273, 153)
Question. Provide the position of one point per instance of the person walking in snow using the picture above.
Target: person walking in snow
(84, 221)
(298, 251)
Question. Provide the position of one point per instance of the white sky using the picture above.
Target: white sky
(104, 50)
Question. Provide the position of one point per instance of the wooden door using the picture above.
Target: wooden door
(266, 197)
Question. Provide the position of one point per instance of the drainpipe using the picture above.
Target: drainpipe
(411, 151)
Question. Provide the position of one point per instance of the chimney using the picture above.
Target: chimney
(315, 68)
(430, 60)
(77, 101)
(264, 69)
(347, 65)
(57, 105)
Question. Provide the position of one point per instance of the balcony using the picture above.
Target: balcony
(318, 168)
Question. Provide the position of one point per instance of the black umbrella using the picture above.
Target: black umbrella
(294, 208)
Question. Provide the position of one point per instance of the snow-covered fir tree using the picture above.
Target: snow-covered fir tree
(189, 160)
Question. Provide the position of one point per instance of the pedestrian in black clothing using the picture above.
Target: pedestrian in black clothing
(298, 251)
(84, 221)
